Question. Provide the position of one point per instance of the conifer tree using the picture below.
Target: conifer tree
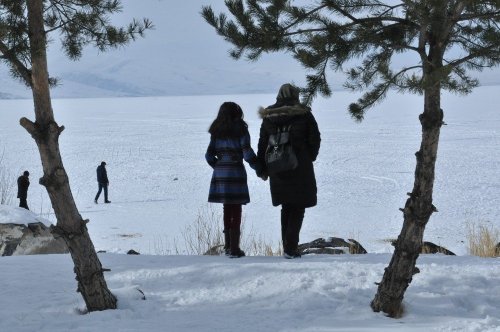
(25, 26)
(447, 40)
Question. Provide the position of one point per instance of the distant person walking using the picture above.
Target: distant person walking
(229, 146)
(23, 182)
(103, 182)
(294, 189)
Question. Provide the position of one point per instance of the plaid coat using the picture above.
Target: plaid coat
(229, 178)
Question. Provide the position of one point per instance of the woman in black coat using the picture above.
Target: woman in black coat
(295, 190)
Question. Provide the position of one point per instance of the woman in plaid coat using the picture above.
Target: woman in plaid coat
(229, 146)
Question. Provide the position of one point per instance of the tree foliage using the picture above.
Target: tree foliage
(334, 34)
(447, 40)
(25, 26)
(77, 23)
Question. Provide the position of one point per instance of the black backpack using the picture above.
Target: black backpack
(280, 156)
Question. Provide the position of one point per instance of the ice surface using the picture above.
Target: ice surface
(154, 149)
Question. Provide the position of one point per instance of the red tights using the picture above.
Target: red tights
(232, 216)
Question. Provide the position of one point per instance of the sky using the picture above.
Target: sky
(182, 56)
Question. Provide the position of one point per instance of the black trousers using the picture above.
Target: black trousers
(101, 187)
(23, 203)
(291, 223)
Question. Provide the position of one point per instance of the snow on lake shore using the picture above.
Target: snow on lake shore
(203, 293)
(159, 180)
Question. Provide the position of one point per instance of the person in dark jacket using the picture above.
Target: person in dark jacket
(23, 182)
(103, 182)
(229, 146)
(295, 190)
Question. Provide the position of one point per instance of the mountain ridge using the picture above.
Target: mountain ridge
(182, 55)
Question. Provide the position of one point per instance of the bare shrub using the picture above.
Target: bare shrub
(205, 233)
(6, 183)
(483, 240)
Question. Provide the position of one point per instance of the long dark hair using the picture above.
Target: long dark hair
(229, 121)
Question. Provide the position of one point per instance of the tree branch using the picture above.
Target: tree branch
(305, 16)
(20, 68)
(29, 126)
(481, 52)
(380, 19)
(488, 15)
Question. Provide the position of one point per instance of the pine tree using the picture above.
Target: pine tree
(447, 38)
(24, 29)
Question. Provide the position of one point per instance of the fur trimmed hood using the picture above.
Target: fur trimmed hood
(284, 110)
(287, 104)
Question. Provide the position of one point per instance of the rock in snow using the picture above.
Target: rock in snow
(332, 245)
(24, 233)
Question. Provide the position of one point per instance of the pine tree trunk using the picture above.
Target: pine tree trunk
(45, 131)
(417, 211)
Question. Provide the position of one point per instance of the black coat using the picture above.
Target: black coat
(102, 175)
(297, 186)
(23, 182)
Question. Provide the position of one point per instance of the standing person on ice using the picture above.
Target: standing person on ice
(294, 189)
(23, 182)
(103, 182)
(229, 145)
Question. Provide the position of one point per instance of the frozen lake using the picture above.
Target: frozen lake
(154, 149)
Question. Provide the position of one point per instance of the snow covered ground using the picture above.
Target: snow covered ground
(154, 149)
(206, 293)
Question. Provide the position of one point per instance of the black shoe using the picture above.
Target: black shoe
(237, 254)
(227, 251)
(95, 201)
(107, 202)
(292, 255)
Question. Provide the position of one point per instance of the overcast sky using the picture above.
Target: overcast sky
(182, 56)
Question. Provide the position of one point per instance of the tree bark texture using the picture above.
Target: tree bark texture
(45, 131)
(417, 211)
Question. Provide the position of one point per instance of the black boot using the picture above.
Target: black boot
(236, 252)
(227, 241)
(295, 218)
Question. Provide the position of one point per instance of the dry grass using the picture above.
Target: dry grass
(162, 246)
(254, 245)
(205, 235)
(483, 240)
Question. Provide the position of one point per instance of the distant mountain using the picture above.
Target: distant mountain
(182, 56)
